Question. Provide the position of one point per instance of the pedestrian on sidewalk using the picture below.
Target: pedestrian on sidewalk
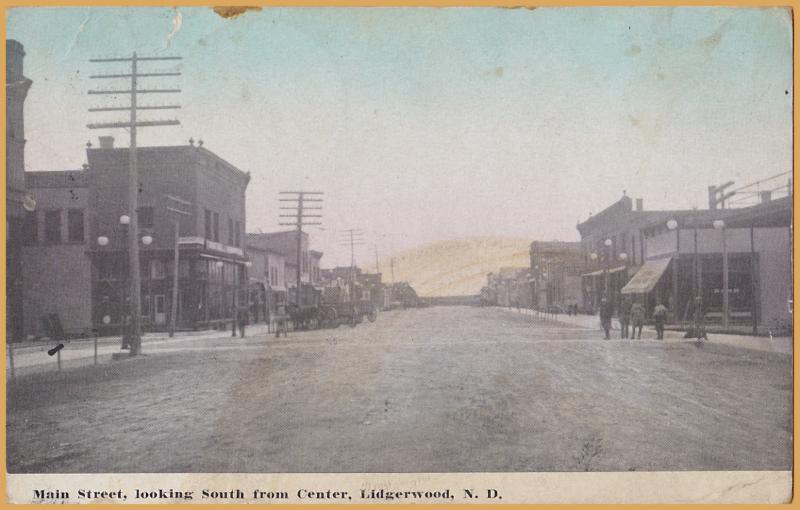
(606, 312)
(637, 319)
(659, 316)
(242, 318)
(624, 317)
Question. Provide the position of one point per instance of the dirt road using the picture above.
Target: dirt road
(426, 390)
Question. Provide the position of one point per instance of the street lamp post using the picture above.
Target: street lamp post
(134, 334)
(673, 225)
(607, 244)
(696, 281)
(623, 257)
(720, 225)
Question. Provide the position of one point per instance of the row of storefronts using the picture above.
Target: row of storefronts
(736, 261)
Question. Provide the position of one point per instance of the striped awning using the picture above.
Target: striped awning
(647, 277)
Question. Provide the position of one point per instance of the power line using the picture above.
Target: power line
(133, 175)
(355, 236)
(300, 199)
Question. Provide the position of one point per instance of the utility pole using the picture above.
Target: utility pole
(299, 199)
(377, 264)
(133, 174)
(353, 237)
(179, 202)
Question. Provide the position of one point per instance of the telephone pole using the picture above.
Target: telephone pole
(299, 201)
(179, 202)
(133, 175)
(353, 237)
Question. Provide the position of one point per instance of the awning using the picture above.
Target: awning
(601, 271)
(647, 277)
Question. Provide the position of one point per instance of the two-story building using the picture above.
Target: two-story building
(267, 278)
(212, 267)
(556, 268)
(76, 241)
(613, 249)
(56, 269)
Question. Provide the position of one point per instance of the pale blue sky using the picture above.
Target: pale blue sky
(423, 124)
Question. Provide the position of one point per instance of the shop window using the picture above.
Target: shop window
(146, 216)
(75, 232)
(145, 306)
(183, 266)
(105, 269)
(200, 269)
(52, 227)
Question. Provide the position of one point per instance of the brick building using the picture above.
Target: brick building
(285, 243)
(212, 269)
(613, 249)
(56, 269)
(17, 202)
(267, 274)
(556, 268)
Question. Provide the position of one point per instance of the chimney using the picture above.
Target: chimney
(766, 196)
(639, 204)
(106, 142)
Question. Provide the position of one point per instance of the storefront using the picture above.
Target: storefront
(738, 263)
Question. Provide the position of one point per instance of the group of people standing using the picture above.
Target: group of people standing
(631, 318)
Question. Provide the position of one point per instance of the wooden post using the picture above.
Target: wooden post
(753, 286)
(725, 300)
(675, 261)
(58, 359)
(95, 348)
(175, 269)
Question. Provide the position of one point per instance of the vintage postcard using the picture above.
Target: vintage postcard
(399, 255)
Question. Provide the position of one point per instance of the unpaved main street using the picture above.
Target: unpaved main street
(425, 390)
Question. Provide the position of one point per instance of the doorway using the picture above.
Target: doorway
(160, 309)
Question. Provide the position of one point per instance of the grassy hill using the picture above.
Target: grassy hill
(456, 267)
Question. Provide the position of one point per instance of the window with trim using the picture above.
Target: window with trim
(230, 232)
(208, 225)
(52, 227)
(216, 227)
(75, 231)
(237, 235)
(146, 216)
